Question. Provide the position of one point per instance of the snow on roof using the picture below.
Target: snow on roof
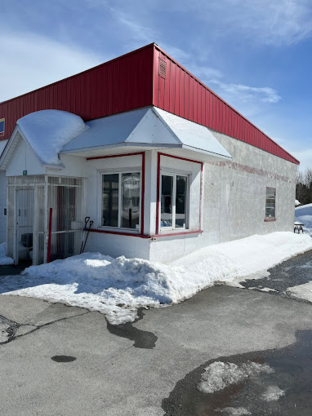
(47, 131)
(147, 127)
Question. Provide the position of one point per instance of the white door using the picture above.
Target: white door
(24, 225)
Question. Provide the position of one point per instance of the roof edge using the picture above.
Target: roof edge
(295, 161)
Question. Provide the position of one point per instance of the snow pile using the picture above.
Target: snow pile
(303, 215)
(219, 375)
(297, 203)
(246, 258)
(47, 131)
(3, 258)
(117, 287)
(272, 394)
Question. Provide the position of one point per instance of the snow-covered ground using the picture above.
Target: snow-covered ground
(117, 287)
(303, 215)
(3, 258)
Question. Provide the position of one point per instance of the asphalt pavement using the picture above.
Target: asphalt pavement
(62, 361)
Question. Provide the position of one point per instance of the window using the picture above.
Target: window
(270, 203)
(174, 195)
(121, 195)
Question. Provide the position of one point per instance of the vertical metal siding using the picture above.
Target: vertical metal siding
(195, 102)
(120, 85)
(133, 81)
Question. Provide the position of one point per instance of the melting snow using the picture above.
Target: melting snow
(272, 394)
(232, 411)
(301, 292)
(117, 287)
(219, 375)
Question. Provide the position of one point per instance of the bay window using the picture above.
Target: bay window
(121, 196)
(173, 201)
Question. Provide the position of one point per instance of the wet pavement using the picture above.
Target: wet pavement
(293, 272)
(61, 360)
(286, 391)
(142, 339)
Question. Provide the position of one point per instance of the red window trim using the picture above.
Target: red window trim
(158, 190)
(269, 219)
(142, 184)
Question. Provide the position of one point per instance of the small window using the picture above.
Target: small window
(121, 196)
(270, 203)
(173, 209)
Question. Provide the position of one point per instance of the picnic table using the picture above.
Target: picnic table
(298, 226)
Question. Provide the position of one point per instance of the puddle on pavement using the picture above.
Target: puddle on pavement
(63, 358)
(142, 339)
(285, 392)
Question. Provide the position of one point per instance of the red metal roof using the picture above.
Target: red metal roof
(182, 94)
(147, 76)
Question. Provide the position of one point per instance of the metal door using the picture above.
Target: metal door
(24, 225)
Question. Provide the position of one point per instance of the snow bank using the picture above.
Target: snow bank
(303, 214)
(47, 131)
(3, 258)
(219, 375)
(117, 287)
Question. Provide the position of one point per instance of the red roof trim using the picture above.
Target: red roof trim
(221, 99)
(80, 73)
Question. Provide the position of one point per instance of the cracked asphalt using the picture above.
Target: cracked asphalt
(63, 361)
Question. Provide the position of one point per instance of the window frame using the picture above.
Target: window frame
(119, 172)
(268, 218)
(174, 174)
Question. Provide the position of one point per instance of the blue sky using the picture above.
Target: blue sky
(256, 54)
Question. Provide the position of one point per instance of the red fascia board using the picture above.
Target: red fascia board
(221, 99)
(80, 73)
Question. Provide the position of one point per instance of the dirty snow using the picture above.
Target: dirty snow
(47, 131)
(3, 258)
(232, 411)
(220, 375)
(303, 215)
(303, 292)
(272, 394)
(118, 287)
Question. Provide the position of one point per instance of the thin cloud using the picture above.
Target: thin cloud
(34, 61)
(305, 158)
(246, 94)
(269, 22)
(137, 31)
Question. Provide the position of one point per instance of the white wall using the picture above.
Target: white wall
(22, 159)
(3, 204)
(234, 195)
(2, 145)
(3, 192)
